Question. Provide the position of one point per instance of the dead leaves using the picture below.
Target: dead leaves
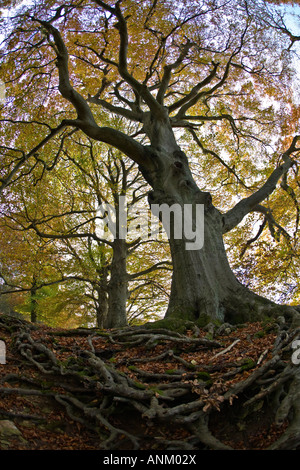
(174, 374)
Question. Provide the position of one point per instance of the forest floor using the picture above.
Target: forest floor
(111, 389)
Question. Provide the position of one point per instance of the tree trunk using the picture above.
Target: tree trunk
(101, 306)
(33, 303)
(118, 286)
(202, 279)
(203, 284)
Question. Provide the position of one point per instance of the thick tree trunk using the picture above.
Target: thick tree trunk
(203, 281)
(204, 287)
(203, 284)
(118, 286)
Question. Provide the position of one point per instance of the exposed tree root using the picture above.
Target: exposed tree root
(94, 378)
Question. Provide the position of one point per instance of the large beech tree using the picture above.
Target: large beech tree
(208, 83)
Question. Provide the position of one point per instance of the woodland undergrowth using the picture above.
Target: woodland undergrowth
(150, 387)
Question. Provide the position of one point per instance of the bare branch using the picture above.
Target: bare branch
(215, 155)
(193, 96)
(159, 265)
(168, 71)
(8, 179)
(253, 239)
(66, 236)
(272, 223)
(115, 109)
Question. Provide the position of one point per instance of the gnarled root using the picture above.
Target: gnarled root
(168, 380)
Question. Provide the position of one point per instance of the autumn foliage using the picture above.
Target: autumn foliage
(138, 344)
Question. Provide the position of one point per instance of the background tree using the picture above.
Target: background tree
(94, 269)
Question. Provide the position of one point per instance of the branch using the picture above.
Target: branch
(115, 109)
(252, 240)
(85, 120)
(215, 155)
(235, 215)
(67, 91)
(66, 236)
(7, 180)
(15, 289)
(168, 71)
(159, 265)
(136, 86)
(272, 223)
(289, 190)
(193, 94)
(283, 29)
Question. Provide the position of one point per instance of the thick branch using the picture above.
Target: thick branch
(119, 140)
(7, 180)
(86, 121)
(65, 87)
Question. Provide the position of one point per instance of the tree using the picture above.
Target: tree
(54, 222)
(169, 67)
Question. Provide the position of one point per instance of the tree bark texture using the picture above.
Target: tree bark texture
(203, 283)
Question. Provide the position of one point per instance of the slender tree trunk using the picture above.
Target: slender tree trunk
(118, 286)
(204, 286)
(102, 306)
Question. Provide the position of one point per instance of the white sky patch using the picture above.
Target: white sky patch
(2, 352)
